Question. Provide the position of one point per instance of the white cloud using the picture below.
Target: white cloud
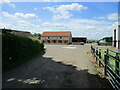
(2, 25)
(20, 21)
(93, 29)
(54, 25)
(113, 16)
(22, 25)
(20, 15)
(5, 1)
(35, 9)
(99, 17)
(6, 14)
(90, 21)
(73, 6)
(63, 11)
(114, 25)
(12, 5)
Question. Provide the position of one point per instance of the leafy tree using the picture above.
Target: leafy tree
(36, 34)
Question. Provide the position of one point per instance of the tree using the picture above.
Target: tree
(36, 34)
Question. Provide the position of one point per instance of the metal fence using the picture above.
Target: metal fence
(110, 60)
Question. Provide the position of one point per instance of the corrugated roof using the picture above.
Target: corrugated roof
(65, 33)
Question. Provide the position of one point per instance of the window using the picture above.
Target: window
(39, 38)
(65, 41)
(59, 41)
(48, 37)
(60, 37)
(48, 41)
(54, 41)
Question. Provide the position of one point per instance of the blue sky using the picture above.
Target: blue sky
(94, 20)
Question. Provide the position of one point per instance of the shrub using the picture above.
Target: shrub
(17, 50)
(92, 41)
(81, 43)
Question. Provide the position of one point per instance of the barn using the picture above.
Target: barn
(78, 40)
(60, 37)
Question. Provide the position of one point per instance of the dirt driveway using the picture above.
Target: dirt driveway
(63, 66)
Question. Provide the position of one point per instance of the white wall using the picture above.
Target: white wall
(117, 36)
(55, 38)
(119, 32)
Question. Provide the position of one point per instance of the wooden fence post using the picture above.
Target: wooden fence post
(91, 49)
(96, 53)
(100, 53)
(117, 64)
(106, 62)
(99, 56)
(94, 50)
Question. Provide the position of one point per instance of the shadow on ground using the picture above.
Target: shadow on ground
(14, 63)
(46, 73)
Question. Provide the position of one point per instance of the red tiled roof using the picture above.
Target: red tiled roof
(66, 33)
(36, 37)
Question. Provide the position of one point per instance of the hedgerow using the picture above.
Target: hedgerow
(17, 50)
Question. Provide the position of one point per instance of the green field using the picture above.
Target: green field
(111, 61)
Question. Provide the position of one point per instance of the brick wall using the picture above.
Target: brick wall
(57, 39)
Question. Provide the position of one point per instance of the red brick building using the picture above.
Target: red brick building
(64, 37)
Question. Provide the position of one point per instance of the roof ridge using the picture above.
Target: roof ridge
(56, 33)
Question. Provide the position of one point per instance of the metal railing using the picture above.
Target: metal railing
(111, 64)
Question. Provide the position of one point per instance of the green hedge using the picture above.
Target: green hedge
(92, 41)
(17, 50)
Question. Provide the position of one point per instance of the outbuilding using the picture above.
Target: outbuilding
(79, 40)
(116, 37)
(59, 37)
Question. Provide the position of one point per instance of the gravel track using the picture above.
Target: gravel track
(62, 66)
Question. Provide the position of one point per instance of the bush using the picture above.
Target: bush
(92, 41)
(108, 43)
(17, 50)
(81, 43)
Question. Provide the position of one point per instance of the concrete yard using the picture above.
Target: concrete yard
(62, 66)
